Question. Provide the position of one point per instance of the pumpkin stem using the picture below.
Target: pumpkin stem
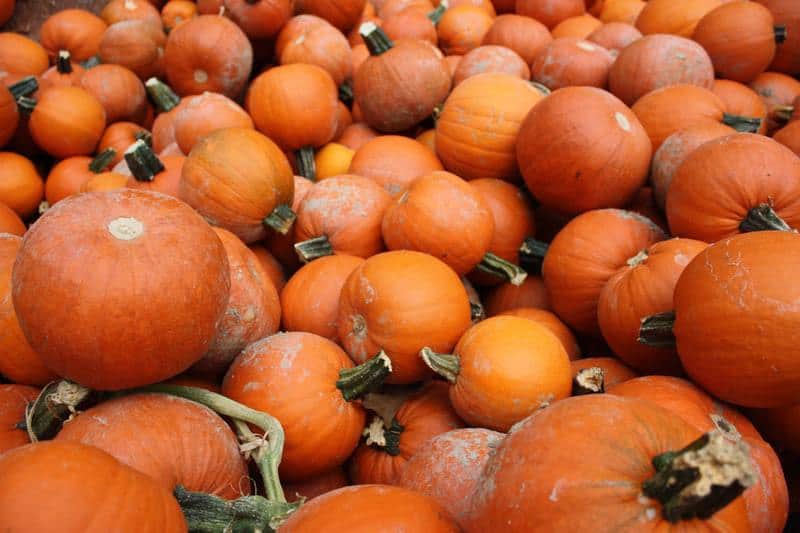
(588, 381)
(638, 259)
(379, 436)
(503, 269)
(367, 377)
(268, 457)
(306, 166)
(102, 160)
(763, 218)
(56, 403)
(436, 113)
(91, 62)
(162, 95)
(531, 254)
(206, 513)
(780, 34)
(375, 38)
(281, 219)
(700, 479)
(26, 105)
(315, 248)
(436, 15)
(346, 92)
(44, 205)
(476, 312)
(142, 162)
(783, 112)
(656, 330)
(24, 87)
(63, 62)
(144, 135)
(544, 89)
(742, 124)
(446, 365)
(251, 2)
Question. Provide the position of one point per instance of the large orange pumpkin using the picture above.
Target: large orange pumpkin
(552, 323)
(310, 39)
(200, 115)
(9, 116)
(259, 19)
(677, 17)
(787, 14)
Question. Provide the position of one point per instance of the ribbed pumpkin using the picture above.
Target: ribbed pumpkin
(776, 90)
(579, 27)
(200, 115)
(310, 39)
(570, 61)
(521, 34)
(786, 13)
(21, 55)
(121, 10)
(463, 28)
(136, 45)
(75, 30)
(119, 90)
(13, 401)
(677, 17)
(394, 162)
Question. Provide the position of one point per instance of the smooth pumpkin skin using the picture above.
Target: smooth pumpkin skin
(348, 210)
(676, 17)
(206, 113)
(423, 416)
(462, 28)
(21, 188)
(10, 221)
(786, 12)
(441, 215)
(570, 61)
(292, 376)
(176, 12)
(775, 89)
(369, 508)
(581, 473)
(621, 11)
(253, 312)
(613, 370)
(6, 11)
(491, 58)
(552, 323)
(486, 5)
(719, 182)
(789, 136)
(208, 53)
(448, 467)
(579, 27)
(316, 486)
(478, 127)
(506, 296)
(356, 135)
(119, 91)
(13, 401)
(119, 136)
(410, 23)
(402, 301)
(21, 55)
(259, 20)
(235, 177)
(273, 268)
(333, 159)
(104, 181)
(584, 255)
(644, 203)
(67, 121)
(600, 158)
(550, 12)
(9, 116)
(739, 99)
(66, 178)
(105, 495)
(674, 150)
(121, 10)
(394, 162)
(344, 15)
(657, 61)
(172, 440)
(754, 296)
(310, 39)
(135, 44)
(510, 367)
(53, 78)
(387, 8)
(644, 287)
(167, 181)
(615, 36)
(106, 340)
(523, 35)
(76, 30)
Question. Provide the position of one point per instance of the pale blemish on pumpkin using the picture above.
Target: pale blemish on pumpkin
(623, 121)
(126, 228)
(588, 47)
(200, 76)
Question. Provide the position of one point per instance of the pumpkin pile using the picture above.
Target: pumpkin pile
(401, 265)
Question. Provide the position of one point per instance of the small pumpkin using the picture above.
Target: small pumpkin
(342, 14)
(490, 58)
(505, 297)
(10, 221)
(614, 371)
(21, 55)
(394, 162)
(104, 181)
(76, 30)
(578, 27)
(21, 188)
(332, 160)
(356, 135)
(463, 28)
(550, 12)
(675, 17)
(569, 61)
(119, 90)
(787, 14)
(553, 324)
(523, 35)
(777, 90)
(310, 39)
(259, 19)
(9, 116)
(122, 10)
(615, 36)
(67, 176)
(176, 12)
(412, 23)
(739, 99)
(200, 115)
(119, 136)
(136, 45)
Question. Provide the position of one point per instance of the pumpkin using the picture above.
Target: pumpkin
(477, 129)
(10, 221)
(136, 45)
(789, 136)
(723, 186)
(400, 302)
(122, 10)
(371, 508)
(105, 494)
(75, 30)
(14, 399)
(176, 12)
(119, 137)
(412, 23)
(187, 444)
(463, 28)
(259, 19)
(394, 162)
(101, 346)
(523, 35)
(333, 159)
(9, 116)
(739, 99)
(310, 39)
(615, 36)
(569, 61)
(553, 324)
(282, 245)
(584, 255)
(67, 176)
(151, 173)
(342, 14)
(644, 203)
(657, 61)
(767, 500)
(490, 58)
(392, 7)
(668, 158)
(21, 55)
(104, 181)
(505, 297)
(401, 83)
(21, 188)
(237, 178)
(356, 135)
(676, 17)
(300, 371)
(271, 266)
(197, 116)
(310, 300)
(621, 11)
(600, 159)
(6, 11)
(578, 27)
(405, 425)
(484, 4)
(673, 108)
(298, 119)
(448, 467)
(341, 214)
(777, 425)
(317, 486)
(786, 14)
(776, 90)
(119, 91)
(643, 287)
(208, 53)
(567, 466)
(613, 370)
(63, 73)
(550, 12)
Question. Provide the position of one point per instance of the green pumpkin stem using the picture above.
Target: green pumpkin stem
(144, 135)
(91, 62)
(476, 311)
(503, 269)
(102, 160)
(783, 113)
(702, 478)
(588, 381)
(346, 92)
(446, 365)
(306, 166)
(780, 34)
(763, 218)
(281, 219)
(56, 403)
(386, 439)
(26, 105)
(742, 124)
(375, 38)
(531, 255)
(24, 87)
(142, 162)
(315, 248)
(436, 15)
(162, 95)
(367, 377)
(656, 330)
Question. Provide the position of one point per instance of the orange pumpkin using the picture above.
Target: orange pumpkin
(104, 181)
(412, 23)
(310, 39)
(356, 135)
(271, 266)
(676, 17)
(789, 136)
(10, 221)
(259, 19)
(394, 162)
(282, 245)
(532, 293)
(739, 99)
(578, 27)
(776, 90)
(176, 12)
(118, 90)
(550, 12)
(21, 55)
(787, 14)
(615, 36)
(200, 115)
(63, 73)
(569, 61)
(147, 172)
(388, 8)
(613, 370)
(490, 58)
(553, 324)
(67, 121)
(343, 14)
(331, 160)
(316, 486)
(136, 45)
(9, 116)
(21, 188)
(463, 28)
(75, 30)
(13, 401)
(122, 10)
(621, 10)
(524, 35)
(120, 136)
